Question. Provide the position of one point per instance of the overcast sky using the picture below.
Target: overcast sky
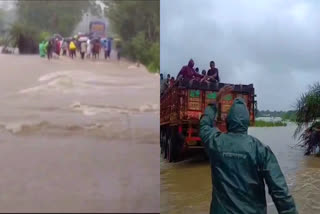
(274, 44)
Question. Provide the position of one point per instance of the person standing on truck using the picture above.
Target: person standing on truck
(213, 73)
(241, 165)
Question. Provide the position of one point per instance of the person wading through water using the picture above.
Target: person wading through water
(49, 49)
(83, 49)
(241, 165)
(72, 48)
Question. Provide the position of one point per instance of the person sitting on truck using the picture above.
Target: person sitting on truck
(188, 73)
(205, 78)
(213, 73)
(171, 82)
(162, 84)
(168, 79)
(197, 69)
(241, 164)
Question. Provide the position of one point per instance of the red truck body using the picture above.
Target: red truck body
(181, 108)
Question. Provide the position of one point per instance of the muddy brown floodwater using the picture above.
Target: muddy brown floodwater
(78, 136)
(186, 186)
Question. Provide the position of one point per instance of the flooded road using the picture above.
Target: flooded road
(186, 186)
(78, 136)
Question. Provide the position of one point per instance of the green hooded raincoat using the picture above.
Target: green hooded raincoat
(241, 165)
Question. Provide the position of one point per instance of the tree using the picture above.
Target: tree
(38, 18)
(137, 23)
(2, 23)
(54, 16)
(307, 119)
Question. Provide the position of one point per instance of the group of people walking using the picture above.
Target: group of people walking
(88, 48)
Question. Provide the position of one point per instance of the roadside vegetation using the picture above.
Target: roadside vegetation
(308, 119)
(137, 23)
(37, 20)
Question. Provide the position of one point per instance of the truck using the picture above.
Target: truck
(97, 29)
(181, 107)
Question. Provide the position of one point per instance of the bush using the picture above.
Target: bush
(154, 53)
(26, 38)
(43, 36)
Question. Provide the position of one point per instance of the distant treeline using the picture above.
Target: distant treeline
(285, 115)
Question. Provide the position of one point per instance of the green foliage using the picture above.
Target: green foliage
(310, 138)
(54, 16)
(43, 36)
(137, 23)
(154, 53)
(308, 108)
(308, 115)
(19, 30)
(2, 14)
(38, 19)
(261, 123)
(290, 116)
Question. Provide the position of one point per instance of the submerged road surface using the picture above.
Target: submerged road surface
(78, 136)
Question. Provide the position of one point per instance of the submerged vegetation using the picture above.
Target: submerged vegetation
(308, 116)
(261, 123)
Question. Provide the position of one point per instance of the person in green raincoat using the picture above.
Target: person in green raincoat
(42, 49)
(241, 165)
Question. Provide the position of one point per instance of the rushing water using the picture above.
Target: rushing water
(78, 136)
(186, 186)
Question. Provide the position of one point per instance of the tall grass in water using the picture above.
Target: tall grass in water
(261, 123)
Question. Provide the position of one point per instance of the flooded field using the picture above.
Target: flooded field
(78, 136)
(186, 186)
